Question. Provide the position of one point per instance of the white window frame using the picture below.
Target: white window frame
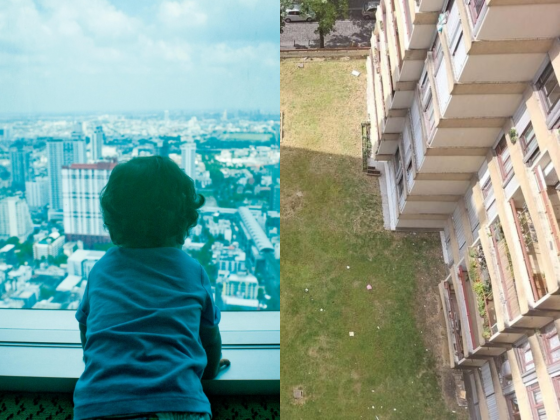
(41, 351)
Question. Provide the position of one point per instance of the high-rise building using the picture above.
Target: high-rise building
(81, 185)
(188, 157)
(5, 134)
(465, 118)
(15, 219)
(97, 142)
(37, 192)
(62, 153)
(21, 166)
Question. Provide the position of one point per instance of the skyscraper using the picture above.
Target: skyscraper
(81, 185)
(62, 153)
(21, 168)
(15, 219)
(37, 192)
(97, 144)
(188, 155)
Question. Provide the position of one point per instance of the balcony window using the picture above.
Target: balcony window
(547, 85)
(487, 189)
(398, 163)
(525, 357)
(437, 54)
(475, 6)
(551, 344)
(556, 382)
(529, 145)
(513, 406)
(504, 160)
(536, 401)
(454, 32)
(427, 104)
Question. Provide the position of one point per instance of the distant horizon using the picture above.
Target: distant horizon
(151, 112)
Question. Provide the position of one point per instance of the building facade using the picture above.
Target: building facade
(37, 192)
(188, 158)
(464, 107)
(81, 186)
(51, 246)
(97, 141)
(62, 153)
(21, 167)
(15, 219)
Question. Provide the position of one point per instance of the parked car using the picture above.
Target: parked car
(296, 15)
(369, 9)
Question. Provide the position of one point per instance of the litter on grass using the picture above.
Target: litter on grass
(351, 333)
(355, 73)
(369, 287)
(300, 65)
(306, 290)
(348, 267)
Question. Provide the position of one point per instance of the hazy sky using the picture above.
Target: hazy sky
(128, 55)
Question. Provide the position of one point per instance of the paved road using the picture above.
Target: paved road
(356, 31)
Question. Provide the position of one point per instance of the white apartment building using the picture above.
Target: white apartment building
(188, 158)
(82, 261)
(81, 186)
(37, 192)
(15, 219)
(464, 107)
(51, 246)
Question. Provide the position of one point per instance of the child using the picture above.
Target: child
(148, 323)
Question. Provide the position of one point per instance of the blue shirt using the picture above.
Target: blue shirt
(143, 308)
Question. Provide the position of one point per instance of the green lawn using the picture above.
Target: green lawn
(332, 219)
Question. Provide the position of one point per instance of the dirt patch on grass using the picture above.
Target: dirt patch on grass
(298, 395)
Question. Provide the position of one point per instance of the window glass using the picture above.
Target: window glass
(504, 159)
(85, 89)
(549, 88)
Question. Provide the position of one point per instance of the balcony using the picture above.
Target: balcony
(492, 61)
(513, 19)
(424, 6)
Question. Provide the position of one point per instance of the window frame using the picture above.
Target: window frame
(531, 390)
(499, 151)
(46, 344)
(530, 148)
(551, 111)
(521, 351)
(546, 336)
(515, 415)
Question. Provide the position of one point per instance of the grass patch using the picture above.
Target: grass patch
(332, 219)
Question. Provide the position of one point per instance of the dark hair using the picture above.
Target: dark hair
(149, 202)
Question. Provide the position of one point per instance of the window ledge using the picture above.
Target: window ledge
(42, 352)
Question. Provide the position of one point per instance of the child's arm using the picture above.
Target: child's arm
(212, 343)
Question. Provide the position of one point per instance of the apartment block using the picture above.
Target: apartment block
(81, 185)
(464, 109)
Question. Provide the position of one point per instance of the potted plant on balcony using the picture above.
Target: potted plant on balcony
(513, 135)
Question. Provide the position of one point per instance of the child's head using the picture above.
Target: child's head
(149, 202)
